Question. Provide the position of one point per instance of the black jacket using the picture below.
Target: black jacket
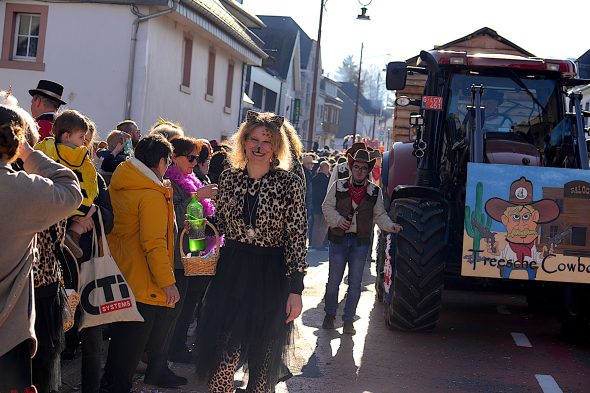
(319, 189)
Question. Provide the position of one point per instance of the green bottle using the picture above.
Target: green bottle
(194, 213)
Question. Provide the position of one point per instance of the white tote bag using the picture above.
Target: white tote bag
(105, 296)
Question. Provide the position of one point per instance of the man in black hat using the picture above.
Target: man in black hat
(45, 102)
(352, 207)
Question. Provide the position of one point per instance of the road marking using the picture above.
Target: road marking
(521, 340)
(548, 384)
(503, 309)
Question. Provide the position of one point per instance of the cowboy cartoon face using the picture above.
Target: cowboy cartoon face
(521, 224)
(520, 214)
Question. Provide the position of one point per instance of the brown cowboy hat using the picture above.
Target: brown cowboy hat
(357, 146)
(521, 194)
(361, 155)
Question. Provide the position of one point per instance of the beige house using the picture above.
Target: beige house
(182, 60)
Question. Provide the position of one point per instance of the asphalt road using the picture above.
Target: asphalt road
(484, 342)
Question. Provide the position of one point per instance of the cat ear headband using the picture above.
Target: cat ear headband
(252, 117)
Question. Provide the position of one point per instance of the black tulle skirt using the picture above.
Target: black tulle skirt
(244, 308)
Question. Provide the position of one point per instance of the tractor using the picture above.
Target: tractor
(484, 123)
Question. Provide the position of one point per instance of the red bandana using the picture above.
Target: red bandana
(357, 193)
(522, 250)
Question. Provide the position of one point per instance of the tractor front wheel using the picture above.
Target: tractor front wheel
(418, 266)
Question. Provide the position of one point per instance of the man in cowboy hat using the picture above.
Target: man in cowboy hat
(341, 171)
(352, 207)
(521, 217)
(45, 102)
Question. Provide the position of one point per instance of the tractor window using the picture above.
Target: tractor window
(510, 104)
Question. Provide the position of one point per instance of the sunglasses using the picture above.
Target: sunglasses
(190, 158)
(360, 168)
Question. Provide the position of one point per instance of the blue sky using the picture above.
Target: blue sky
(402, 28)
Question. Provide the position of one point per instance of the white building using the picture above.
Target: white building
(182, 60)
(284, 82)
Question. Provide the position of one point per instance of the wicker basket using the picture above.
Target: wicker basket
(201, 265)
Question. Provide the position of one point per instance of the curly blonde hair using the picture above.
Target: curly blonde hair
(294, 140)
(167, 129)
(280, 142)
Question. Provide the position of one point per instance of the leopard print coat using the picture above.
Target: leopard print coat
(47, 268)
(280, 218)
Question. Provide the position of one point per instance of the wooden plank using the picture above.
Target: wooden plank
(404, 115)
(401, 135)
(485, 44)
(415, 90)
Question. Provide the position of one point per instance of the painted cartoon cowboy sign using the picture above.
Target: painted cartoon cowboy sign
(521, 216)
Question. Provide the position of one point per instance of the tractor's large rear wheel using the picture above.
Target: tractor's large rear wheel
(418, 265)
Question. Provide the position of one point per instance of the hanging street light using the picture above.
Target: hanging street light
(363, 15)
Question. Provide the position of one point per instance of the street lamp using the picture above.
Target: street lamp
(314, 91)
(363, 15)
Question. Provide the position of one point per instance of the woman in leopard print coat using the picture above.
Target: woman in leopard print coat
(261, 210)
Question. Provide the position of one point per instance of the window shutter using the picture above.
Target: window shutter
(211, 73)
(187, 62)
(230, 84)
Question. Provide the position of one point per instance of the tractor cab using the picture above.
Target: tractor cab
(500, 109)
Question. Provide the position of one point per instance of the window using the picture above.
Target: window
(187, 64)
(270, 101)
(23, 42)
(264, 99)
(257, 95)
(210, 75)
(26, 37)
(553, 231)
(229, 85)
(578, 236)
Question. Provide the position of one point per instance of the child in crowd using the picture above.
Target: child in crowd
(70, 128)
(119, 148)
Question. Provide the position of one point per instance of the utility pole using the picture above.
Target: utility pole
(358, 93)
(314, 90)
(380, 106)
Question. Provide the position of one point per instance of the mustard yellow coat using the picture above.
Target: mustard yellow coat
(142, 239)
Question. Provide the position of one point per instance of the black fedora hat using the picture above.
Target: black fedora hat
(49, 89)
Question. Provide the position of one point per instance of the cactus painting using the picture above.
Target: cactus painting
(476, 219)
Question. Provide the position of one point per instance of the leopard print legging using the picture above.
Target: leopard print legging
(222, 381)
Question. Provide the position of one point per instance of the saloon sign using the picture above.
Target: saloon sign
(577, 189)
(527, 223)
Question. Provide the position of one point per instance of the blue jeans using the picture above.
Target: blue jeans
(353, 253)
(505, 271)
